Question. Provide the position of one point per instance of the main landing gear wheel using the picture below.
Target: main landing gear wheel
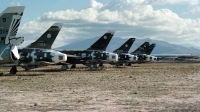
(73, 66)
(13, 70)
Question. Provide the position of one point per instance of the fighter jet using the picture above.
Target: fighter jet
(143, 51)
(124, 56)
(9, 21)
(38, 53)
(94, 55)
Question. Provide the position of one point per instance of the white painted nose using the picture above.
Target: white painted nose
(59, 57)
(131, 57)
(113, 57)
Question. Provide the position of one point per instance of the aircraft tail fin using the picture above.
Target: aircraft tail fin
(47, 39)
(9, 22)
(102, 42)
(125, 47)
(150, 49)
(142, 49)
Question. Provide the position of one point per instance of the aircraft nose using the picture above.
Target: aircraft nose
(113, 57)
(131, 58)
(116, 55)
(65, 57)
(59, 57)
(62, 57)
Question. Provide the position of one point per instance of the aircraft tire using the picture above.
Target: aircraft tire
(13, 70)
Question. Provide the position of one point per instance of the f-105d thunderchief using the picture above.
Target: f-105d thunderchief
(9, 22)
(124, 56)
(38, 53)
(95, 55)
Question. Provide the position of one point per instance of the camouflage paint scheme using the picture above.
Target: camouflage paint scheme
(34, 58)
(95, 54)
(142, 53)
(124, 56)
(39, 53)
(90, 57)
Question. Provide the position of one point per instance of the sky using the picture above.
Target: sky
(174, 21)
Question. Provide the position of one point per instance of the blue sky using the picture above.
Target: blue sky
(36, 8)
(174, 21)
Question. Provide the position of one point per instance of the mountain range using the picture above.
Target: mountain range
(162, 47)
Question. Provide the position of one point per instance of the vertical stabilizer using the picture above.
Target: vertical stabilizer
(103, 42)
(47, 39)
(9, 22)
(125, 47)
(142, 49)
(150, 49)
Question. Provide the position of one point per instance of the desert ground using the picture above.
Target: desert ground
(155, 87)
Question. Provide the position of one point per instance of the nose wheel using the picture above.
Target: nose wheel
(13, 70)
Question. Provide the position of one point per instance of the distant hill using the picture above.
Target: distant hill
(162, 47)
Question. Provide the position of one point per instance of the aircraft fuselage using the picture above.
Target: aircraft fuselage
(90, 56)
(38, 57)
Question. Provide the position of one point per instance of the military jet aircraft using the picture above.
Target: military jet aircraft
(124, 56)
(143, 52)
(38, 54)
(9, 22)
(94, 55)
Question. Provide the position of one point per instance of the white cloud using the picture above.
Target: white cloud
(128, 17)
(13, 3)
(194, 10)
(162, 2)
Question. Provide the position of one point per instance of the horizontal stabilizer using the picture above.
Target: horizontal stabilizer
(16, 40)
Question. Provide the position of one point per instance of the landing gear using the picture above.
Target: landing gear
(64, 67)
(95, 66)
(73, 66)
(101, 65)
(13, 70)
(128, 64)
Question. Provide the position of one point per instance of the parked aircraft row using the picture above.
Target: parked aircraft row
(40, 53)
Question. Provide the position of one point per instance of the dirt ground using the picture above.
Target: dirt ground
(164, 87)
